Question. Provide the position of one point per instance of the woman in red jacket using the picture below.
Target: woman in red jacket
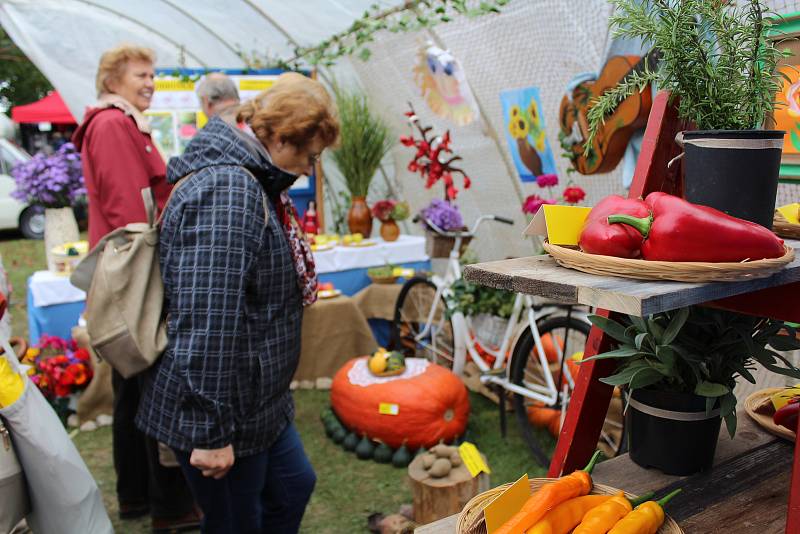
(119, 160)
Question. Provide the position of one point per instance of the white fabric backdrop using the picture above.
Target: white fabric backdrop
(540, 43)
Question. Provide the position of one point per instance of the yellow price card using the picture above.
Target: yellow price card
(507, 504)
(472, 459)
(560, 224)
(386, 408)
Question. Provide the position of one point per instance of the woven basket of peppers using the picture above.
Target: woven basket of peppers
(784, 228)
(664, 237)
(573, 504)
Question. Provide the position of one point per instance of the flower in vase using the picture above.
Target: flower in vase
(444, 215)
(547, 180)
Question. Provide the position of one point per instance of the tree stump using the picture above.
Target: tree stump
(436, 498)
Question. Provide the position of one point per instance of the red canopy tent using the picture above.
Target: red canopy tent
(49, 109)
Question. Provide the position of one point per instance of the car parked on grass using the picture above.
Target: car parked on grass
(13, 213)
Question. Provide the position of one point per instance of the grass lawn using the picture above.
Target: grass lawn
(348, 489)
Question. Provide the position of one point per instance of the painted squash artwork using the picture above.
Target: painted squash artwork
(421, 407)
(787, 115)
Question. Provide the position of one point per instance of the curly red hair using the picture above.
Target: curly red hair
(296, 109)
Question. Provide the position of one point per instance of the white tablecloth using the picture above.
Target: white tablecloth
(407, 249)
(49, 288)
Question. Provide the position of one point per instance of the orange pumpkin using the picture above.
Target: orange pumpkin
(431, 406)
(541, 416)
(550, 351)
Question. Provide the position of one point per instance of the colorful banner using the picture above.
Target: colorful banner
(525, 133)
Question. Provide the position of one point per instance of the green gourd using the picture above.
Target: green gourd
(365, 448)
(401, 457)
(350, 442)
(339, 435)
(383, 453)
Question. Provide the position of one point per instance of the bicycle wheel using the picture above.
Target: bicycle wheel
(526, 369)
(414, 305)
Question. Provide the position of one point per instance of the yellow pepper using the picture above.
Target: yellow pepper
(599, 520)
(11, 384)
(566, 516)
(645, 519)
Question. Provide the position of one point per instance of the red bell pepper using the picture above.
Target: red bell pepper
(600, 237)
(788, 414)
(678, 230)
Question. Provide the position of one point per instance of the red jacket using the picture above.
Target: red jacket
(119, 161)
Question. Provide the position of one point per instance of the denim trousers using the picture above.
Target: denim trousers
(262, 493)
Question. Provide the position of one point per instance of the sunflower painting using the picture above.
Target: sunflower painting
(525, 133)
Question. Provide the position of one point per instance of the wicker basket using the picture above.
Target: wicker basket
(784, 228)
(437, 246)
(383, 279)
(680, 271)
(471, 520)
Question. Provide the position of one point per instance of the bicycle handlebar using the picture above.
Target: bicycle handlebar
(468, 233)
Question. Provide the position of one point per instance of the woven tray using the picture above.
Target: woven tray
(784, 228)
(680, 271)
(765, 421)
(471, 520)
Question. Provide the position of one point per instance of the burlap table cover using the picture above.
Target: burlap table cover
(377, 301)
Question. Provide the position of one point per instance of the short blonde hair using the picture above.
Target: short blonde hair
(113, 63)
(296, 109)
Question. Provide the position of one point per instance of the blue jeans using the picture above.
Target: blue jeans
(263, 493)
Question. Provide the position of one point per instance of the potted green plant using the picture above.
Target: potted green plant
(365, 139)
(719, 65)
(678, 370)
(488, 309)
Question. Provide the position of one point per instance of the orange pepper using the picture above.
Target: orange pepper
(599, 520)
(645, 519)
(567, 515)
(548, 497)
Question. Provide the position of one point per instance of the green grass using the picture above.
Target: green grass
(21, 258)
(348, 490)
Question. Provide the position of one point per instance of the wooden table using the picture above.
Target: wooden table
(776, 297)
(745, 493)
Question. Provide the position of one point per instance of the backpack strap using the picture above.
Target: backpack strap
(150, 204)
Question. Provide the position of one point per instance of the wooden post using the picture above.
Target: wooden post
(435, 498)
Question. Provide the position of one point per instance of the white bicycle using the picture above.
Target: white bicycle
(533, 360)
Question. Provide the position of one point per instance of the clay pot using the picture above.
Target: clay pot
(359, 218)
(390, 231)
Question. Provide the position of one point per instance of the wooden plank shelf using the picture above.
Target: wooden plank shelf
(541, 275)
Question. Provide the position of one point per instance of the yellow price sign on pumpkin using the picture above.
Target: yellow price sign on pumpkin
(386, 408)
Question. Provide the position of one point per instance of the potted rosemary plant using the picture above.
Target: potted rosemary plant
(719, 65)
(364, 140)
(678, 370)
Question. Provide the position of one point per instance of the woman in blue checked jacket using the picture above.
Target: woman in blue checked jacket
(237, 273)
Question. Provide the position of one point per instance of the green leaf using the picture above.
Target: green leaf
(610, 327)
(730, 423)
(638, 323)
(784, 343)
(645, 377)
(640, 339)
(711, 389)
(666, 354)
(727, 404)
(657, 330)
(624, 375)
(624, 352)
(675, 325)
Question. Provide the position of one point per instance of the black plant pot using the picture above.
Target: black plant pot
(671, 431)
(740, 179)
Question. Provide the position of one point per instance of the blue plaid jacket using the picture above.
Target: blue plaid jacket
(233, 302)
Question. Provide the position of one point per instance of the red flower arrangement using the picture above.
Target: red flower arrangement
(429, 160)
(60, 369)
(390, 210)
(571, 195)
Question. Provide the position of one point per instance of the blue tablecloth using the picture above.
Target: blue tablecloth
(55, 320)
(352, 281)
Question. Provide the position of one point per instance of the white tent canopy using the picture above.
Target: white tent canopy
(532, 43)
(64, 38)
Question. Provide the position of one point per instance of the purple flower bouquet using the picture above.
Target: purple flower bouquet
(54, 181)
(443, 214)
